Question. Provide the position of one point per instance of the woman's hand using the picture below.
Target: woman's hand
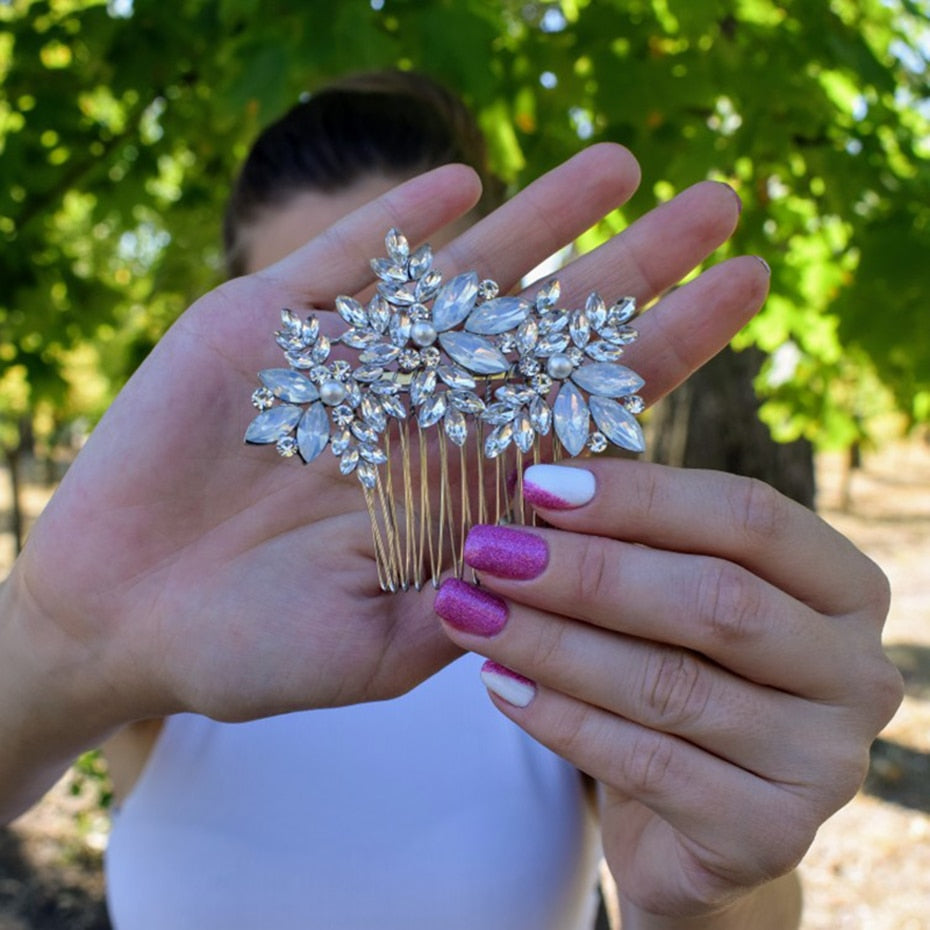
(178, 569)
(706, 649)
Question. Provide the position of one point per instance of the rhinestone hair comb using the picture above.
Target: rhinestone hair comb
(453, 390)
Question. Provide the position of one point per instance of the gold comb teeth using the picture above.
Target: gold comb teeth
(453, 390)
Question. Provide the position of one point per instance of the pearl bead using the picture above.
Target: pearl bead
(559, 367)
(423, 333)
(332, 393)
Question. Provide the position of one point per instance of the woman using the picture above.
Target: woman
(708, 652)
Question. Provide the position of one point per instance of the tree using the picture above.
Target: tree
(121, 123)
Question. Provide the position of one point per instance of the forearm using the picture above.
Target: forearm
(52, 705)
(775, 906)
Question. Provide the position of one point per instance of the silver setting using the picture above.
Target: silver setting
(437, 380)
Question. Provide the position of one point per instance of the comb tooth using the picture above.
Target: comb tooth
(425, 541)
(389, 513)
(466, 520)
(408, 561)
(537, 458)
(518, 491)
(514, 507)
(385, 578)
(385, 496)
(498, 491)
(442, 505)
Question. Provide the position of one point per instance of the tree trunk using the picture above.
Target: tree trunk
(14, 463)
(17, 527)
(712, 421)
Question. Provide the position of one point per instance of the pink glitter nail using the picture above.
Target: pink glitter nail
(470, 609)
(506, 552)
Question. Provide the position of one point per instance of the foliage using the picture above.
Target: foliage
(121, 124)
(89, 775)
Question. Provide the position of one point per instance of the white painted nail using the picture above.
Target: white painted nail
(560, 487)
(507, 684)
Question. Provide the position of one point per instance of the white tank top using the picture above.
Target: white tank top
(429, 811)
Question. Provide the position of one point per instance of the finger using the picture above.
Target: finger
(660, 248)
(763, 730)
(550, 213)
(654, 253)
(338, 260)
(714, 813)
(686, 328)
(693, 323)
(702, 603)
(546, 216)
(738, 519)
(333, 263)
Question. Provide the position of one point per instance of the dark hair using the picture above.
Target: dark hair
(394, 123)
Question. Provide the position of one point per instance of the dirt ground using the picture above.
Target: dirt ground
(869, 868)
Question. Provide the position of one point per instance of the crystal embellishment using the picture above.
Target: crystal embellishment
(509, 372)
(273, 424)
(312, 432)
(572, 418)
(289, 385)
(498, 316)
(455, 301)
(560, 366)
(607, 379)
(617, 424)
(474, 353)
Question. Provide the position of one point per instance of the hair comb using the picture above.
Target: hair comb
(451, 391)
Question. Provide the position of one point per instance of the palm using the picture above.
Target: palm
(194, 540)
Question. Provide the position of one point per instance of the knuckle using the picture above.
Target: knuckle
(675, 689)
(780, 858)
(833, 778)
(878, 590)
(650, 765)
(841, 768)
(548, 649)
(771, 841)
(728, 602)
(595, 579)
(874, 686)
(649, 495)
(571, 733)
(890, 691)
(760, 511)
(789, 829)
(884, 690)
(854, 769)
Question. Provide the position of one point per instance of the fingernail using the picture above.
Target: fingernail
(764, 264)
(739, 200)
(558, 487)
(507, 684)
(506, 552)
(470, 609)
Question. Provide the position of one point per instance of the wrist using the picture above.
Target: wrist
(54, 702)
(774, 906)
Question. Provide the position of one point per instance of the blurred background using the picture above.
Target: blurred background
(123, 122)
